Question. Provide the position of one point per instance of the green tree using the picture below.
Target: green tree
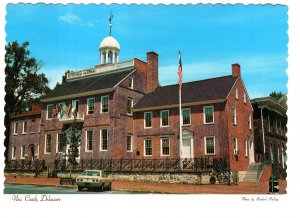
(276, 95)
(23, 84)
(73, 135)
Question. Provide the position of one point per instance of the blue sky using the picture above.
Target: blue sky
(210, 38)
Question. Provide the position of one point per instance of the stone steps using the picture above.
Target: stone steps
(251, 174)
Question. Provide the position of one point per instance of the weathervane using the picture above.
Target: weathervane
(110, 24)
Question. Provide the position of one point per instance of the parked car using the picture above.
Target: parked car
(93, 179)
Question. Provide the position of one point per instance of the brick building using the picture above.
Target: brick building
(270, 130)
(24, 140)
(124, 113)
(217, 121)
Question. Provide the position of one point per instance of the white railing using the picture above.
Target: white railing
(103, 68)
(79, 116)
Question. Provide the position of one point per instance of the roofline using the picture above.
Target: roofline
(282, 98)
(77, 95)
(177, 105)
(197, 81)
(124, 78)
(100, 91)
(268, 99)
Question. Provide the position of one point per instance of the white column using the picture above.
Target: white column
(263, 130)
(114, 57)
(106, 57)
(101, 57)
(117, 58)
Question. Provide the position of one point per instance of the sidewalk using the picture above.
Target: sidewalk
(242, 188)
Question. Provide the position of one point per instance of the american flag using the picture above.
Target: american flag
(179, 71)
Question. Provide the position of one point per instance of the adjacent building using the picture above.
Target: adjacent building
(270, 128)
(24, 143)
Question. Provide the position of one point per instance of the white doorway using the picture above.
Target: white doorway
(251, 152)
(187, 149)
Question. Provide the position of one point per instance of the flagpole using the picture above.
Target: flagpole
(180, 123)
(180, 112)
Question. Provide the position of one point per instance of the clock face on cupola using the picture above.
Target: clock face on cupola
(109, 47)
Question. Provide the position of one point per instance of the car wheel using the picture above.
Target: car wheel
(80, 188)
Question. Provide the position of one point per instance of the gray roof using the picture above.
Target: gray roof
(202, 90)
(98, 82)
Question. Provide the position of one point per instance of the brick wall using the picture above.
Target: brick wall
(241, 130)
(32, 136)
(197, 127)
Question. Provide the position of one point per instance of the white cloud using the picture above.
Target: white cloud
(70, 19)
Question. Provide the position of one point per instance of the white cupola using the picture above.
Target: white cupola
(109, 47)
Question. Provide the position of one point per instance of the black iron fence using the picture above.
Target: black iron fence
(145, 165)
(25, 165)
(204, 164)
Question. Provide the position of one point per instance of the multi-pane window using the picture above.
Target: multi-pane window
(210, 145)
(48, 143)
(23, 151)
(129, 105)
(165, 146)
(244, 97)
(89, 140)
(25, 127)
(249, 121)
(104, 104)
(104, 139)
(49, 111)
(246, 148)
(186, 116)
(235, 146)
(164, 118)
(233, 113)
(208, 114)
(60, 142)
(148, 119)
(130, 82)
(14, 152)
(16, 128)
(90, 105)
(148, 147)
(236, 93)
(129, 142)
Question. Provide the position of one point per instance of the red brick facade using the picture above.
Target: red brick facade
(121, 124)
(221, 129)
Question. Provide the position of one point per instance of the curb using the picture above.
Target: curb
(64, 186)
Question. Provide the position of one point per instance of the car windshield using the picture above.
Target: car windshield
(90, 173)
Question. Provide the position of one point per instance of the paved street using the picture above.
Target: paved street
(34, 189)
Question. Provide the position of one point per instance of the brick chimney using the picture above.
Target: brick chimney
(151, 72)
(236, 70)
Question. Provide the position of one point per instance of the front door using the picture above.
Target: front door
(251, 152)
(187, 148)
